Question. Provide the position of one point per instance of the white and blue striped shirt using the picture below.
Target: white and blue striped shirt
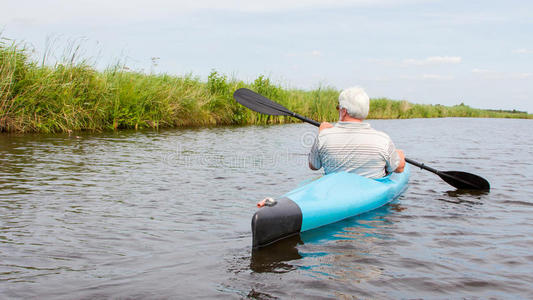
(354, 147)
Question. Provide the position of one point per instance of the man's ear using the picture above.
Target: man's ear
(344, 112)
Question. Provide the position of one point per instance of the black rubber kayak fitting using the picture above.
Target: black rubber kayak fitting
(273, 223)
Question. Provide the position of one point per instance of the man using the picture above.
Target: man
(352, 145)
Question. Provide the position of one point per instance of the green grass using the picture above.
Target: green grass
(73, 96)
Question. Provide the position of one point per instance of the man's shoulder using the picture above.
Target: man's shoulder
(336, 130)
(332, 130)
(381, 133)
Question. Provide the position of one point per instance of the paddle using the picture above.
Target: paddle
(261, 104)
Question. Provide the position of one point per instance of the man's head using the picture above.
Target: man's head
(355, 101)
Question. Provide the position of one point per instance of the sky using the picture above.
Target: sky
(479, 53)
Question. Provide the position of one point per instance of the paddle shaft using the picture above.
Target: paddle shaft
(442, 175)
(302, 118)
(422, 166)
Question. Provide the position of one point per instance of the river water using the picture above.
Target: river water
(145, 214)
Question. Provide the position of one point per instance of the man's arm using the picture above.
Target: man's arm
(401, 165)
(314, 157)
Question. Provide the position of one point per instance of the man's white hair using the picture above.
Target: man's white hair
(355, 101)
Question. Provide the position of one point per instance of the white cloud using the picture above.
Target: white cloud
(427, 77)
(524, 75)
(429, 61)
(316, 53)
(382, 62)
(523, 51)
(467, 18)
(483, 71)
(436, 77)
(433, 60)
(380, 79)
(498, 75)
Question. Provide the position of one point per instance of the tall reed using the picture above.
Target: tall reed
(72, 95)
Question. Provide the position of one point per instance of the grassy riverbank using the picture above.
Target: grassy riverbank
(75, 96)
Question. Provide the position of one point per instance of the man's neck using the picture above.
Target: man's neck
(347, 118)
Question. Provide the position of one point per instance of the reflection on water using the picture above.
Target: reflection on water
(167, 215)
(469, 197)
(359, 228)
(475, 194)
(276, 258)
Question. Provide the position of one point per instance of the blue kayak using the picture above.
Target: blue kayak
(327, 200)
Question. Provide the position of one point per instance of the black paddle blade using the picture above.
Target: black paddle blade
(463, 180)
(259, 103)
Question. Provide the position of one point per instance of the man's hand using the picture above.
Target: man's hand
(324, 125)
(401, 166)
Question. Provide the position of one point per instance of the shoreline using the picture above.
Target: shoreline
(83, 133)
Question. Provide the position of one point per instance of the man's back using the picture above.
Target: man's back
(354, 147)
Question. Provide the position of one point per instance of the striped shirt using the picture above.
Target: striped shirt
(354, 147)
